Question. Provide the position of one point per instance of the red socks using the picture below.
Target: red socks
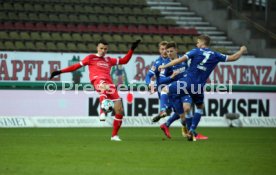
(117, 124)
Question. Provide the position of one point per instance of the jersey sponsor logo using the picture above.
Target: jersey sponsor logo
(153, 68)
(102, 64)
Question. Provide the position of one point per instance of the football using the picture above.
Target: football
(107, 105)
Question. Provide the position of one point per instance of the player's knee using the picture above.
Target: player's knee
(187, 107)
(165, 89)
(118, 108)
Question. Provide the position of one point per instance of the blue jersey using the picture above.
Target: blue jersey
(166, 73)
(203, 62)
(154, 70)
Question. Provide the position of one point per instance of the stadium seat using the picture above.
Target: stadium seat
(27, 7)
(4, 35)
(53, 17)
(76, 37)
(127, 38)
(108, 37)
(103, 28)
(2, 45)
(112, 48)
(157, 38)
(177, 39)
(40, 46)
(45, 36)
(84, 19)
(96, 37)
(14, 35)
(38, 7)
(103, 19)
(123, 19)
(182, 48)
(98, 10)
(30, 45)
(56, 36)
(18, 7)
(122, 48)
(35, 36)
(132, 29)
(167, 38)
(9, 45)
(7, 6)
(68, 8)
(117, 38)
(147, 39)
(29, 26)
(61, 47)
(118, 10)
(91, 47)
(188, 40)
(51, 46)
(143, 49)
(25, 36)
(81, 47)
(23, 16)
(19, 45)
(72, 47)
(59, 8)
(66, 37)
(87, 37)
(12, 16)
(153, 48)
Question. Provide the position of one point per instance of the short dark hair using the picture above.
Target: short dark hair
(171, 44)
(205, 38)
(102, 41)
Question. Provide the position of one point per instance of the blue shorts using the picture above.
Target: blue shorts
(177, 102)
(184, 87)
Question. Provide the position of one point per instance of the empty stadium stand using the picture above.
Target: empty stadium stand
(75, 26)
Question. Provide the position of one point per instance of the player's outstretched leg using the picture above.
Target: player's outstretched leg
(163, 106)
(166, 130)
(102, 116)
(116, 127)
(195, 122)
(184, 129)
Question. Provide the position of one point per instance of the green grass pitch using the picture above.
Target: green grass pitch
(143, 151)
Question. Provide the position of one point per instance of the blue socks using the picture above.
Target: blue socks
(163, 101)
(196, 119)
(172, 119)
(189, 120)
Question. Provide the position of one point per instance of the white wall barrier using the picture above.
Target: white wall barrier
(66, 122)
(29, 108)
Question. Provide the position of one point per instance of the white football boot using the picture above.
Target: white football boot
(102, 117)
(116, 138)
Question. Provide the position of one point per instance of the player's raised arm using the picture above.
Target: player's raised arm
(237, 55)
(174, 62)
(70, 68)
(127, 57)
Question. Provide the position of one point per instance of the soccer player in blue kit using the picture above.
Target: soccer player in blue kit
(174, 101)
(153, 72)
(203, 62)
(175, 73)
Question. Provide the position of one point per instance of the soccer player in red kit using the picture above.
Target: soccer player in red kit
(99, 73)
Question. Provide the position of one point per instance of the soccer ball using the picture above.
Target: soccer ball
(107, 105)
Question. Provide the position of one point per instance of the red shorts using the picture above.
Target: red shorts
(111, 94)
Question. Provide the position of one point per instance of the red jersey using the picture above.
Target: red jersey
(99, 67)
